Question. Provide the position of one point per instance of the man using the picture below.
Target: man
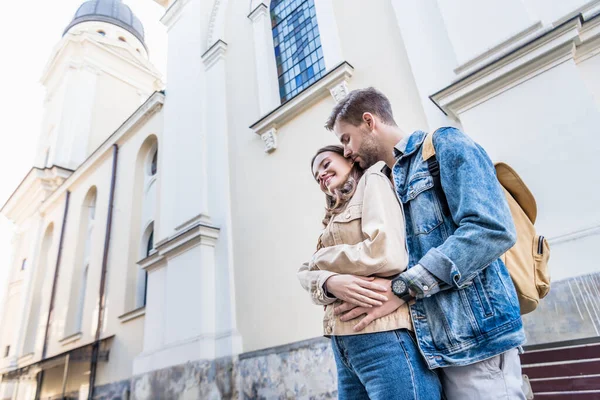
(464, 307)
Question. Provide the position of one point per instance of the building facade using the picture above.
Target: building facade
(159, 233)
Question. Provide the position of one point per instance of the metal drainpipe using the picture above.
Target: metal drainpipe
(101, 298)
(40, 377)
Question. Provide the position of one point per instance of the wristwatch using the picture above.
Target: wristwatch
(401, 289)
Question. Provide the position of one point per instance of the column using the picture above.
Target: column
(429, 51)
(266, 70)
(328, 32)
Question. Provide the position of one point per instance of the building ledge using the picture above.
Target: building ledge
(173, 12)
(333, 82)
(576, 39)
(70, 339)
(133, 314)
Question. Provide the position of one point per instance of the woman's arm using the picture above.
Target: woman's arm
(322, 285)
(384, 247)
(313, 280)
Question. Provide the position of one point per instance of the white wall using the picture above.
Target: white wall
(546, 128)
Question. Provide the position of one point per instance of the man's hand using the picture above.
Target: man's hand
(351, 311)
(357, 290)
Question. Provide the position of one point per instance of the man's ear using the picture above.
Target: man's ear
(369, 119)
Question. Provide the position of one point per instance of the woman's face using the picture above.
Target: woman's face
(331, 171)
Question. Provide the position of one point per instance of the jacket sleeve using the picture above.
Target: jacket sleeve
(382, 224)
(313, 281)
(478, 207)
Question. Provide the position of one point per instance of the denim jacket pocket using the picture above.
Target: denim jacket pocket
(421, 199)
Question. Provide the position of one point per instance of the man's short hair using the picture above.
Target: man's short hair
(352, 107)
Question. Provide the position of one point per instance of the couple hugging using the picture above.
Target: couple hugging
(418, 304)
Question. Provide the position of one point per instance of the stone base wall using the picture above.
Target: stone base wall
(300, 370)
(307, 369)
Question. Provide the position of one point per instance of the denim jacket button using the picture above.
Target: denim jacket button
(347, 215)
(425, 287)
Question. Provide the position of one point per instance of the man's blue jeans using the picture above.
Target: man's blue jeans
(383, 366)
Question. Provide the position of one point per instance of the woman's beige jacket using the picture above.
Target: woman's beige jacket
(366, 239)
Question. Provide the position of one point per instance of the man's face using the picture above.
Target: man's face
(359, 143)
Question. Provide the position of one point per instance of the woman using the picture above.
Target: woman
(364, 236)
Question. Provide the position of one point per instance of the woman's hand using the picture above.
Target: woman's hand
(349, 311)
(357, 290)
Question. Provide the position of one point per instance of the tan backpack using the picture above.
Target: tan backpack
(527, 260)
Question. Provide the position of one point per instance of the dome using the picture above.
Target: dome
(109, 11)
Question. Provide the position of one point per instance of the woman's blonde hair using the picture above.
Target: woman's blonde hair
(336, 202)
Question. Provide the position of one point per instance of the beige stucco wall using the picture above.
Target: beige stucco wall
(126, 344)
(276, 206)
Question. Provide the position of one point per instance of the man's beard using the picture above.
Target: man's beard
(369, 151)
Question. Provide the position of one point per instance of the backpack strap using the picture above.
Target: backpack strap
(433, 166)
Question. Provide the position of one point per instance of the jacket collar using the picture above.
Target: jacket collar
(414, 142)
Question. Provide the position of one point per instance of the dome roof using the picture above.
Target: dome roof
(110, 11)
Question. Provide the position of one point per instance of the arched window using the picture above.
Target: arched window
(24, 264)
(298, 53)
(142, 286)
(46, 258)
(83, 257)
(81, 299)
(154, 163)
(143, 199)
(150, 245)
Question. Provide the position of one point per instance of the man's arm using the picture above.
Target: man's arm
(477, 205)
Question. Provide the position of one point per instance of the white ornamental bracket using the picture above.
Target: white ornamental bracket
(270, 139)
(334, 83)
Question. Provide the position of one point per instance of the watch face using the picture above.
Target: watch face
(399, 286)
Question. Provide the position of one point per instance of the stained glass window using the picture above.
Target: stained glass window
(298, 52)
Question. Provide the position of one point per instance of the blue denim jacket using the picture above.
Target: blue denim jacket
(475, 314)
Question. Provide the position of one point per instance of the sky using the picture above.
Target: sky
(28, 33)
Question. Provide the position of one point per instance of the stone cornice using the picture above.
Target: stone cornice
(34, 189)
(540, 54)
(173, 13)
(214, 53)
(321, 88)
(201, 232)
(259, 11)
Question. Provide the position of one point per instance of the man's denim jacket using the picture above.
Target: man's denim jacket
(475, 315)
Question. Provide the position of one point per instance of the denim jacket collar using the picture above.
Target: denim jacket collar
(414, 142)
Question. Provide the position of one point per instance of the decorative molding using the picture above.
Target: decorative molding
(173, 13)
(25, 358)
(590, 40)
(37, 186)
(339, 91)
(260, 10)
(200, 218)
(133, 314)
(212, 22)
(575, 39)
(578, 234)
(199, 233)
(270, 139)
(214, 54)
(321, 88)
(537, 56)
(71, 338)
(497, 52)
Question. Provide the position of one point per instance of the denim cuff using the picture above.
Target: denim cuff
(423, 282)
